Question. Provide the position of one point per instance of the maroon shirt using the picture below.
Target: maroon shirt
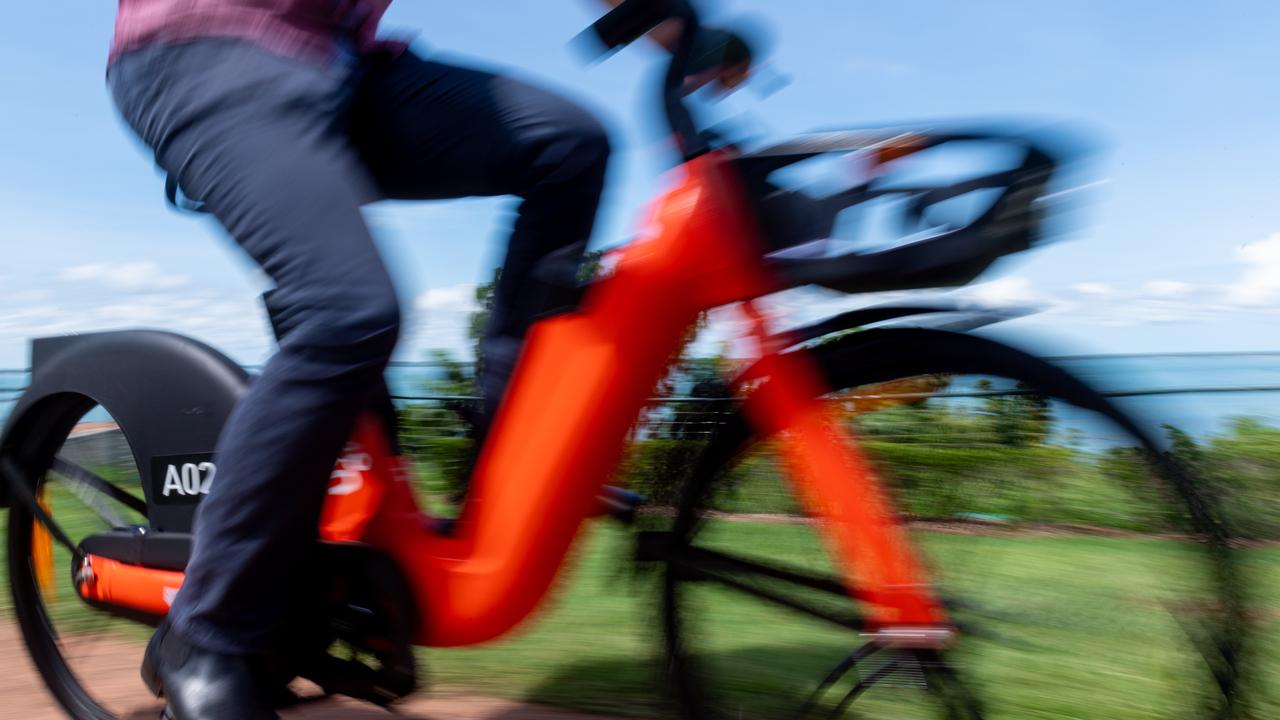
(307, 28)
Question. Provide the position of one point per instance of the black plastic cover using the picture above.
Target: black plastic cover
(162, 551)
(169, 394)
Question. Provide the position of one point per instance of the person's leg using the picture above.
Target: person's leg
(257, 138)
(429, 130)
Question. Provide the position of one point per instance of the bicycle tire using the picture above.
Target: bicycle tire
(32, 463)
(878, 356)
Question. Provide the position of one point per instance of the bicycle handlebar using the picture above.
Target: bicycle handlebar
(954, 256)
(631, 20)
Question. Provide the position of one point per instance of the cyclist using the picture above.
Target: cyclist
(284, 118)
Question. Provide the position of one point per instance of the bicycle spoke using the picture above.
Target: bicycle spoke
(727, 570)
(88, 479)
(958, 701)
(893, 665)
(852, 622)
(849, 663)
(18, 484)
(706, 560)
(93, 500)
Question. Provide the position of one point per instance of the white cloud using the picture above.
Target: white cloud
(1012, 290)
(1092, 288)
(23, 297)
(442, 322)
(142, 294)
(131, 277)
(132, 313)
(1260, 283)
(1167, 288)
(459, 298)
(233, 324)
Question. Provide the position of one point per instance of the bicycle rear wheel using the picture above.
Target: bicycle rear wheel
(81, 470)
(1086, 569)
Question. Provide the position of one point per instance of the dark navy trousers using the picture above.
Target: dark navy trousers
(284, 153)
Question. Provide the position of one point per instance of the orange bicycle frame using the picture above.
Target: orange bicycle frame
(581, 381)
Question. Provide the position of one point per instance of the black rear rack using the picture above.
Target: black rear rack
(951, 257)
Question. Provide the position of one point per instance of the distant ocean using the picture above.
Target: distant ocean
(1198, 413)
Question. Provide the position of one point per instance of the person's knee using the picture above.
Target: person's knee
(591, 143)
(575, 152)
(371, 320)
(360, 323)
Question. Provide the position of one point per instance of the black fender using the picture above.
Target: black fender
(943, 314)
(169, 394)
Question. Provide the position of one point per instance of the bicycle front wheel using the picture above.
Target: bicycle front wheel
(1083, 564)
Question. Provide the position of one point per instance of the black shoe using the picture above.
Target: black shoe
(200, 684)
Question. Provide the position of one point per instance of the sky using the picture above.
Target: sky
(1177, 248)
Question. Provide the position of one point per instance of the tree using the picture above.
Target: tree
(708, 382)
(1243, 465)
(1036, 415)
(1018, 418)
(479, 320)
(485, 294)
(453, 376)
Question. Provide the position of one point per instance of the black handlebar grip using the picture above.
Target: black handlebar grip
(630, 20)
(715, 47)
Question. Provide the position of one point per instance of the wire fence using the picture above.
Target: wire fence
(1024, 459)
(435, 414)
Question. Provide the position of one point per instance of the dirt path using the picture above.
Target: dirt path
(114, 666)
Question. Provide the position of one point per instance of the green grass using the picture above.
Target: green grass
(1094, 637)
(1094, 634)
(1091, 623)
